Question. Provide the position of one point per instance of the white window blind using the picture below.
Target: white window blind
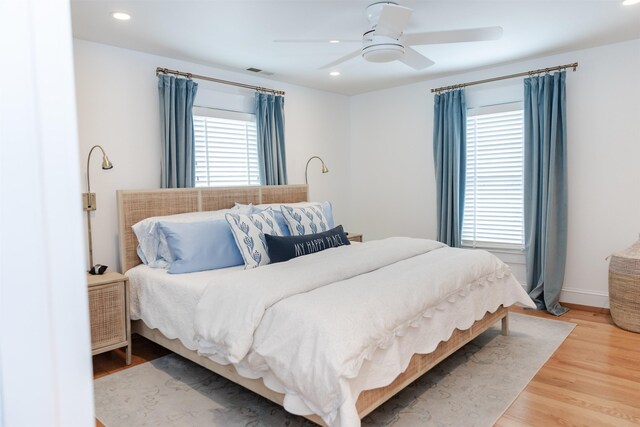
(226, 149)
(494, 203)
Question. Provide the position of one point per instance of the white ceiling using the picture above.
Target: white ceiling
(239, 34)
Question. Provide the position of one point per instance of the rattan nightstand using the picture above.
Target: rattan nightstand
(355, 237)
(109, 313)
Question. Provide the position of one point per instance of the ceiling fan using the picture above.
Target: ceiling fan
(385, 41)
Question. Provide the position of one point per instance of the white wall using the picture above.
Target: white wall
(118, 108)
(378, 146)
(392, 161)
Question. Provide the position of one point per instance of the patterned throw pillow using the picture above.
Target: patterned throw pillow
(304, 220)
(249, 231)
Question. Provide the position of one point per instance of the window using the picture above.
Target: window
(494, 203)
(226, 148)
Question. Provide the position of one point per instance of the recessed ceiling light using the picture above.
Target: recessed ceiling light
(334, 73)
(630, 2)
(121, 16)
(338, 41)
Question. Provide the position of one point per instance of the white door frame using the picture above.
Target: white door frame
(45, 356)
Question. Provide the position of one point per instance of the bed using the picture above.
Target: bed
(161, 324)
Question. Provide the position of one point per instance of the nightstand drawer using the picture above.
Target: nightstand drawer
(108, 315)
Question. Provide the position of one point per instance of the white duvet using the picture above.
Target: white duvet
(322, 328)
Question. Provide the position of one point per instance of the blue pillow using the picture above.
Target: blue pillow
(283, 248)
(282, 223)
(327, 210)
(199, 246)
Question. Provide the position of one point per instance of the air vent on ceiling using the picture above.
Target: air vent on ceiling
(258, 70)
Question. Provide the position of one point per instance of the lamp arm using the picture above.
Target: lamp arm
(88, 160)
(89, 202)
(306, 169)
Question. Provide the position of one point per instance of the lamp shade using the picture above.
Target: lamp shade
(106, 163)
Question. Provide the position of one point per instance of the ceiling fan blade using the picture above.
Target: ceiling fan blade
(415, 59)
(341, 60)
(332, 41)
(454, 36)
(393, 21)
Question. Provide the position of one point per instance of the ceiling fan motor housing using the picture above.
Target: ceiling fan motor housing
(375, 9)
(381, 49)
(378, 47)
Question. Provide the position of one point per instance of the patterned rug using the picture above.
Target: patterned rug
(473, 387)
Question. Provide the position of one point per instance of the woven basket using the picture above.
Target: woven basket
(624, 288)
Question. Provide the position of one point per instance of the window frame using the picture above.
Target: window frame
(487, 110)
(218, 113)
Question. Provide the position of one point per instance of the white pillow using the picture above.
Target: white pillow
(304, 220)
(152, 244)
(249, 231)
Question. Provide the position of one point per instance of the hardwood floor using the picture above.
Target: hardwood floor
(593, 379)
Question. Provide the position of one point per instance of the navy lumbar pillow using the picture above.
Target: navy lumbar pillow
(283, 248)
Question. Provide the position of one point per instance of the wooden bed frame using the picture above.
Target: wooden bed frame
(134, 206)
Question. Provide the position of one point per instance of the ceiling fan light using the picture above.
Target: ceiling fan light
(383, 52)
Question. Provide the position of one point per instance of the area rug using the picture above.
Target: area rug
(473, 387)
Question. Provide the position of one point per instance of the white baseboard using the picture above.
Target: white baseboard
(571, 295)
(585, 297)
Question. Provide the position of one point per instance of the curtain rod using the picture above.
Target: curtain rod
(510, 76)
(160, 70)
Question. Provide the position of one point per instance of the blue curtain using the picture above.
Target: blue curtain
(176, 131)
(449, 155)
(270, 135)
(545, 188)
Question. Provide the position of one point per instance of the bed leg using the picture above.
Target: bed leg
(505, 324)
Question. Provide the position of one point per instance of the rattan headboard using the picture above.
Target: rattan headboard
(136, 205)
